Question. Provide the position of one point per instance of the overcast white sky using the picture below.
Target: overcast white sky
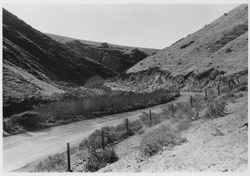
(143, 25)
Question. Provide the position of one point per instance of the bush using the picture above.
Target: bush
(154, 141)
(100, 158)
(215, 109)
(141, 131)
(241, 88)
(107, 103)
(183, 124)
(156, 118)
(54, 163)
(28, 119)
(111, 135)
(184, 110)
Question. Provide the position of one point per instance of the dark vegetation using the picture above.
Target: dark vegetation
(72, 108)
(100, 158)
(186, 45)
(102, 104)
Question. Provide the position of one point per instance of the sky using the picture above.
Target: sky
(139, 25)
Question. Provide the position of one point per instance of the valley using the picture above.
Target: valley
(126, 108)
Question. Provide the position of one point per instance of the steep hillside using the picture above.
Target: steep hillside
(117, 57)
(222, 44)
(34, 65)
(215, 55)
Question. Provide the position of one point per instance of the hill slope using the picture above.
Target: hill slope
(117, 57)
(35, 65)
(222, 44)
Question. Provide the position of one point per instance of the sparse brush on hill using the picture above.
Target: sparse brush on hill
(155, 119)
(54, 163)
(99, 144)
(107, 136)
(160, 136)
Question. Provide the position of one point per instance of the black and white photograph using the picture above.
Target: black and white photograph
(118, 87)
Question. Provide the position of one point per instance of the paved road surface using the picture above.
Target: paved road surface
(22, 149)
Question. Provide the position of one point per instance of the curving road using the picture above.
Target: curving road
(22, 149)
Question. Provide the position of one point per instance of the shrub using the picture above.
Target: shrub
(28, 119)
(106, 103)
(111, 135)
(154, 140)
(183, 124)
(243, 111)
(241, 88)
(11, 127)
(141, 131)
(212, 93)
(156, 118)
(215, 109)
(56, 162)
(100, 158)
(184, 110)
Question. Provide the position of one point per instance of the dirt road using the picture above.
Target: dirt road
(19, 150)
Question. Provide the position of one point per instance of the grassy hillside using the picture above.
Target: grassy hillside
(222, 44)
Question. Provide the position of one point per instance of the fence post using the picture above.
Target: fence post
(218, 89)
(191, 101)
(150, 118)
(178, 90)
(172, 108)
(103, 142)
(205, 93)
(127, 127)
(237, 78)
(68, 158)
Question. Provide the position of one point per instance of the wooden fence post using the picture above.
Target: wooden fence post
(150, 118)
(218, 89)
(68, 158)
(172, 108)
(206, 94)
(127, 127)
(237, 78)
(103, 142)
(191, 101)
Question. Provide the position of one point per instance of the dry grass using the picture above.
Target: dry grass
(158, 137)
(54, 163)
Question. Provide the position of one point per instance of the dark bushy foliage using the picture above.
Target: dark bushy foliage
(112, 103)
(215, 109)
(100, 158)
(28, 119)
